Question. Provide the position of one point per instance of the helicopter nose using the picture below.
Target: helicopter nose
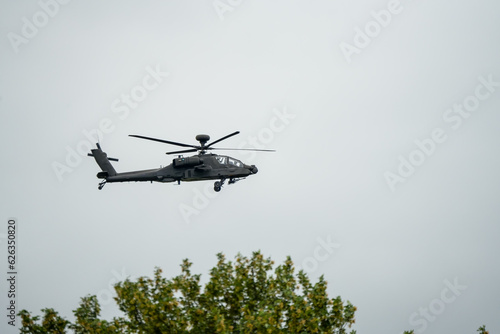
(254, 169)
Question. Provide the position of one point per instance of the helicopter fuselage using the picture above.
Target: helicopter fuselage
(186, 169)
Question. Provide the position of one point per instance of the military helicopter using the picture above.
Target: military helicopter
(203, 166)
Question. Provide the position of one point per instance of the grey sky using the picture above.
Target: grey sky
(423, 239)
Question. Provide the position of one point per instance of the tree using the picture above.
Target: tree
(244, 296)
(86, 321)
(482, 330)
(51, 323)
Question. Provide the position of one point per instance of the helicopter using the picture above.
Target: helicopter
(200, 167)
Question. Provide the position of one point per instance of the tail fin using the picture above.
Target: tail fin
(103, 161)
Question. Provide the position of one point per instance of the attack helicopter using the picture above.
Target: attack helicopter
(200, 167)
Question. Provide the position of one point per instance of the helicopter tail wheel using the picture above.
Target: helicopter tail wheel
(101, 185)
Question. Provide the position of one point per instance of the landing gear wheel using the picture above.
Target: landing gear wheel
(217, 186)
(101, 185)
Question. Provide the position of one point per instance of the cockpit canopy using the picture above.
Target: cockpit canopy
(224, 160)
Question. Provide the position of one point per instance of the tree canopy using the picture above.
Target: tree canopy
(249, 295)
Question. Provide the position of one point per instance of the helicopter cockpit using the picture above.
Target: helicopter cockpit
(223, 160)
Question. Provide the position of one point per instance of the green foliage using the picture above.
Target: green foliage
(248, 295)
(51, 322)
(482, 330)
(87, 319)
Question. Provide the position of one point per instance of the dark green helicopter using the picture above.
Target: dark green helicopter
(199, 167)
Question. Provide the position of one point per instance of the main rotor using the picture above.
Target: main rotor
(202, 148)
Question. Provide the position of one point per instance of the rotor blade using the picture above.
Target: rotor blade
(164, 141)
(183, 151)
(240, 149)
(221, 139)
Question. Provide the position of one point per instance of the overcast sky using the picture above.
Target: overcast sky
(384, 115)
